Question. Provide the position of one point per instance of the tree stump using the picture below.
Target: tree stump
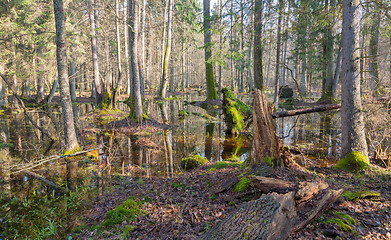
(270, 217)
(265, 141)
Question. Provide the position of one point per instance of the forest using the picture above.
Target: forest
(213, 119)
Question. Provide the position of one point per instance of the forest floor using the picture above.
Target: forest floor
(185, 206)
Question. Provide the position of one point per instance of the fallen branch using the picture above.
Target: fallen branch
(39, 177)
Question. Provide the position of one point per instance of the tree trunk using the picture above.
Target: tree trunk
(265, 140)
(40, 95)
(373, 54)
(136, 105)
(337, 72)
(278, 50)
(73, 79)
(166, 58)
(352, 118)
(210, 81)
(94, 50)
(270, 217)
(66, 104)
(258, 72)
(126, 36)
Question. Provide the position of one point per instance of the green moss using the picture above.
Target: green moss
(351, 196)
(193, 162)
(127, 211)
(268, 160)
(355, 161)
(106, 101)
(341, 224)
(347, 218)
(235, 112)
(242, 185)
(69, 152)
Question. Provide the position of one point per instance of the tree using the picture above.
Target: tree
(210, 81)
(167, 51)
(258, 73)
(136, 105)
(66, 104)
(352, 119)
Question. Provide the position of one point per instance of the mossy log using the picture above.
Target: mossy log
(266, 185)
(265, 141)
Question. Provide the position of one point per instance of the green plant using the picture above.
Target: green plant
(353, 162)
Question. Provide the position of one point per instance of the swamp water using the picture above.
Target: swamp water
(47, 201)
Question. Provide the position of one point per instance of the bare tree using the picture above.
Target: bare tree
(352, 119)
(66, 104)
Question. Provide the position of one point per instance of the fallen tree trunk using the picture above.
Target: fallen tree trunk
(323, 108)
(295, 112)
(269, 217)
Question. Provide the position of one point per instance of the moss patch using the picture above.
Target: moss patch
(219, 165)
(355, 161)
(347, 218)
(351, 196)
(193, 162)
(341, 224)
(268, 160)
(127, 211)
(242, 185)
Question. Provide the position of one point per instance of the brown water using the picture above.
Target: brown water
(48, 205)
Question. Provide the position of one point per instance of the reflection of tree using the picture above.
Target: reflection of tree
(326, 139)
(209, 129)
(167, 140)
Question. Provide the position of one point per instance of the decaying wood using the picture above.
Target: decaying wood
(265, 140)
(308, 189)
(295, 112)
(269, 217)
(320, 206)
(266, 185)
(227, 185)
(323, 108)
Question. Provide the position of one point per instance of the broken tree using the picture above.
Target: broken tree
(284, 206)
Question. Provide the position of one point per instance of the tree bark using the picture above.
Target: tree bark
(66, 104)
(278, 50)
(94, 51)
(352, 118)
(258, 72)
(265, 140)
(210, 81)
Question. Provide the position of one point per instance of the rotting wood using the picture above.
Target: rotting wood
(265, 140)
(322, 205)
(323, 108)
(269, 217)
(308, 189)
(266, 185)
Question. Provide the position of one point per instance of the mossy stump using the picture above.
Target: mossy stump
(193, 162)
(235, 112)
(355, 161)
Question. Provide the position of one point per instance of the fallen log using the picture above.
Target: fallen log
(269, 217)
(295, 112)
(266, 185)
(323, 108)
(309, 189)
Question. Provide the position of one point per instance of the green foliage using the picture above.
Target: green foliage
(6, 145)
(242, 185)
(353, 162)
(351, 196)
(268, 160)
(183, 113)
(127, 211)
(193, 162)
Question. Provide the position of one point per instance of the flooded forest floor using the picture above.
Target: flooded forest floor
(132, 185)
